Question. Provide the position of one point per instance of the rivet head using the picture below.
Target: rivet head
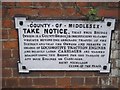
(104, 67)
(108, 24)
(21, 23)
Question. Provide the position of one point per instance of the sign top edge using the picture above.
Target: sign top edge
(81, 19)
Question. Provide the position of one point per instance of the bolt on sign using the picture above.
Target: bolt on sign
(70, 45)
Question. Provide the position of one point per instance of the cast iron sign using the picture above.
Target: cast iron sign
(70, 45)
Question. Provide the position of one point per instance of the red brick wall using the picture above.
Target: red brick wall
(49, 79)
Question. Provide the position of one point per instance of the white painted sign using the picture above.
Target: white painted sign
(70, 45)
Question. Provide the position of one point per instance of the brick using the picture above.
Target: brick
(26, 4)
(118, 47)
(43, 4)
(11, 82)
(114, 82)
(0, 14)
(3, 83)
(26, 12)
(45, 87)
(5, 63)
(10, 45)
(113, 64)
(54, 5)
(68, 12)
(118, 63)
(8, 3)
(82, 4)
(9, 13)
(105, 81)
(77, 81)
(6, 54)
(114, 4)
(84, 11)
(100, 74)
(115, 54)
(98, 4)
(47, 12)
(46, 5)
(119, 82)
(25, 82)
(64, 82)
(0, 65)
(117, 33)
(114, 72)
(67, 4)
(0, 24)
(6, 72)
(44, 81)
(118, 54)
(117, 25)
(13, 34)
(91, 81)
(7, 23)
(1, 53)
(119, 72)
(9, 63)
(35, 74)
(5, 13)
(108, 13)
(95, 4)
(16, 73)
(4, 34)
(113, 44)
(79, 73)
(56, 73)
(15, 53)
(0, 34)
(111, 54)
